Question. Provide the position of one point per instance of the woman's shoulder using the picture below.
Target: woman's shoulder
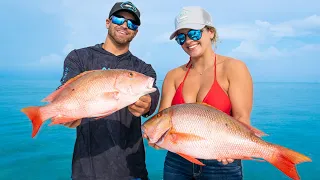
(176, 72)
(235, 67)
(232, 64)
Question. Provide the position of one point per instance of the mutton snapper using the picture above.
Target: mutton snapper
(96, 93)
(197, 130)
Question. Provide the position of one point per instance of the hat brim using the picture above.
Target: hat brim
(187, 26)
(137, 19)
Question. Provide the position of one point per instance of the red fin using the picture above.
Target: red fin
(62, 119)
(34, 115)
(53, 95)
(176, 136)
(191, 159)
(285, 160)
(249, 158)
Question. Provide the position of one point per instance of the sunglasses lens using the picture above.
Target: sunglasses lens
(195, 34)
(180, 38)
(117, 20)
(120, 20)
(131, 25)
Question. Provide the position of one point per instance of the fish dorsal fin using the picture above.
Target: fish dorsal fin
(206, 104)
(53, 95)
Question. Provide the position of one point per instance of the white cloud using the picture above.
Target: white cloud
(249, 49)
(85, 24)
(259, 30)
(260, 40)
(310, 47)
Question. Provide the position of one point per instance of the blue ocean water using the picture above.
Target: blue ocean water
(288, 112)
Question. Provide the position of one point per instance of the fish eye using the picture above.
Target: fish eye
(130, 74)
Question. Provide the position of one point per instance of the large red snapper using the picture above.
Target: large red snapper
(198, 130)
(96, 93)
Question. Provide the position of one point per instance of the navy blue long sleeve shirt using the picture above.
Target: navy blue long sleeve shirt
(112, 147)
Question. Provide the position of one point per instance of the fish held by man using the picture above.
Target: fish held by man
(96, 94)
(196, 130)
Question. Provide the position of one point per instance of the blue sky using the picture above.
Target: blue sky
(278, 40)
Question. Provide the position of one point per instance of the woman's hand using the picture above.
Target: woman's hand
(225, 161)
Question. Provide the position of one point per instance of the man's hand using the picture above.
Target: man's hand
(141, 107)
(73, 124)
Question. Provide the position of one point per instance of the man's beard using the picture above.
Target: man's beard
(118, 40)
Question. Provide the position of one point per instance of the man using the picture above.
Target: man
(112, 148)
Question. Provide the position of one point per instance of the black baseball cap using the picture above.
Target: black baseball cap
(126, 6)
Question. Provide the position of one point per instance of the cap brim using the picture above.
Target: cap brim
(187, 26)
(133, 14)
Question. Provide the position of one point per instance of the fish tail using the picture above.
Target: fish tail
(34, 114)
(286, 159)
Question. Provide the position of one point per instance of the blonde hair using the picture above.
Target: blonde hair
(215, 38)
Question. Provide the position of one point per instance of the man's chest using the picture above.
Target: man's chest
(97, 63)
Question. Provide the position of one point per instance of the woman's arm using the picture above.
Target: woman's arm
(240, 91)
(168, 91)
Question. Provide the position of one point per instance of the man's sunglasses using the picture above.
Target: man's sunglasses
(120, 20)
(192, 34)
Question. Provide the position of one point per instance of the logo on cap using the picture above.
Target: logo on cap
(128, 5)
(182, 16)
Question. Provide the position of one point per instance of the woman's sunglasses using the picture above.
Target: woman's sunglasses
(192, 34)
(120, 20)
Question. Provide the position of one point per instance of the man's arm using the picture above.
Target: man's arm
(71, 67)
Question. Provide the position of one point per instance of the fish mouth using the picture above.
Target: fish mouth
(149, 85)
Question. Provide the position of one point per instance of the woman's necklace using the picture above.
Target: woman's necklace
(206, 68)
(202, 71)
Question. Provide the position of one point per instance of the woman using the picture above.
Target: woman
(220, 81)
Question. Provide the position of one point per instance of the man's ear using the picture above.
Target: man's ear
(108, 22)
(135, 33)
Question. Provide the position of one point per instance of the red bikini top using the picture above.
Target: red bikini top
(215, 97)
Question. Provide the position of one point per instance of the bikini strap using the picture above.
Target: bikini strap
(189, 65)
(215, 67)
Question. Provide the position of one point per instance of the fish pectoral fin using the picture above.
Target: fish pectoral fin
(176, 136)
(111, 95)
(61, 119)
(191, 159)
